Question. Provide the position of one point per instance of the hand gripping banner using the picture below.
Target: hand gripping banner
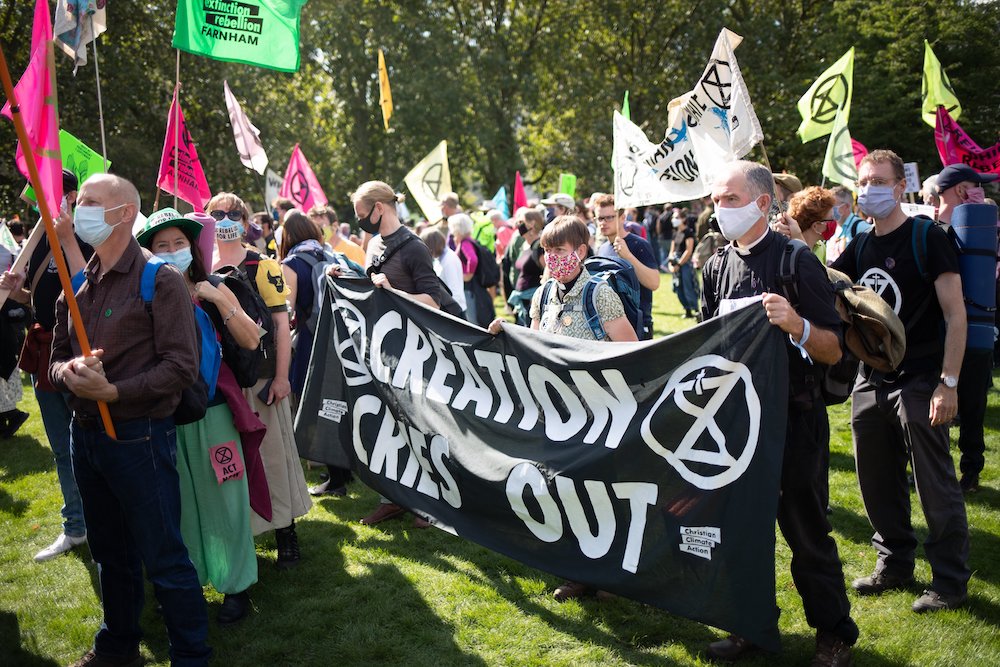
(647, 469)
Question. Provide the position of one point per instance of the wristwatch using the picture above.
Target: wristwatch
(949, 381)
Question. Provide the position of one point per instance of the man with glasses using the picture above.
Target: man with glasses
(633, 249)
(903, 417)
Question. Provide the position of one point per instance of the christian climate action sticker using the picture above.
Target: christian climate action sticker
(647, 470)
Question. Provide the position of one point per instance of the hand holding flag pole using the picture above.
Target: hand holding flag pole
(50, 229)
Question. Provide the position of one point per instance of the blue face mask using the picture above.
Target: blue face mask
(181, 258)
(90, 226)
(878, 201)
(228, 230)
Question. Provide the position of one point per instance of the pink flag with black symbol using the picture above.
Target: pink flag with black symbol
(180, 169)
(956, 147)
(300, 184)
(36, 97)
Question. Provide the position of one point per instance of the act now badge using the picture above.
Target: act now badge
(700, 540)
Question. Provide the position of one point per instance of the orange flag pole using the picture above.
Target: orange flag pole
(50, 228)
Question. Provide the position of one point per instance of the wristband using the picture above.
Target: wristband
(229, 316)
(801, 343)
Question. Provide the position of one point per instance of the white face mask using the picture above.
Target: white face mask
(735, 222)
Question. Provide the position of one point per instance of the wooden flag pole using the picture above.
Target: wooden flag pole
(50, 228)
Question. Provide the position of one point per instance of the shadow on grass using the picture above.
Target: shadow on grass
(985, 497)
(21, 455)
(13, 652)
(843, 461)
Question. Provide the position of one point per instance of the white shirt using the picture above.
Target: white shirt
(449, 269)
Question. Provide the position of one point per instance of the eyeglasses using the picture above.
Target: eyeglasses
(607, 218)
(234, 215)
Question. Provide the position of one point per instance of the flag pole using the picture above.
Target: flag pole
(100, 104)
(50, 228)
(177, 123)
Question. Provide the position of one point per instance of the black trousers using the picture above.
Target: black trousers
(891, 425)
(973, 386)
(805, 478)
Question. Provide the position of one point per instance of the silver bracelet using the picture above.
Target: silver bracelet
(229, 316)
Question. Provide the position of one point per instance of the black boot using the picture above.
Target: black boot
(288, 546)
(234, 608)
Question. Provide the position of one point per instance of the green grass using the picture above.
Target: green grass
(394, 595)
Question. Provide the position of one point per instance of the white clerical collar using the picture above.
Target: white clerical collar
(745, 250)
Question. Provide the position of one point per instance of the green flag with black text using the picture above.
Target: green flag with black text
(829, 95)
(264, 33)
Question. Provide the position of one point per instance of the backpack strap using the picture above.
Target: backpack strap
(307, 257)
(543, 301)
(787, 279)
(859, 246)
(921, 227)
(589, 300)
(386, 256)
(147, 284)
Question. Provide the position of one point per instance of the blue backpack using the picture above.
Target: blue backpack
(194, 399)
(620, 276)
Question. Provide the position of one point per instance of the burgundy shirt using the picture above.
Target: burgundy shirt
(149, 359)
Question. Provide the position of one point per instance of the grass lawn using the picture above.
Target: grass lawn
(394, 595)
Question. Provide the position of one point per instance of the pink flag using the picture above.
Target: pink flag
(36, 96)
(192, 186)
(955, 146)
(860, 151)
(247, 136)
(300, 184)
(520, 199)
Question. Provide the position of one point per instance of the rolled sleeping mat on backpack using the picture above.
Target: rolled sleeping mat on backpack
(975, 227)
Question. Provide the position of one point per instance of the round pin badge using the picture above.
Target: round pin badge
(890, 263)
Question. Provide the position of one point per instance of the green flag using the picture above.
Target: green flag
(255, 32)
(567, 184)
(828, 96)
(78, 157)
(625, 109)
(936, 90)
(839, 165)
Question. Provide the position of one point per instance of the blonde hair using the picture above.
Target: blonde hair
(372, 192)
(228, 201)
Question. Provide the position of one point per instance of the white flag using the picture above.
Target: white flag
(709, 126)
(247, 136)
(272, 186)
(76, 24)
(430, 180)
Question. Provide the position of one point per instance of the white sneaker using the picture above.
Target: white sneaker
(62, 544)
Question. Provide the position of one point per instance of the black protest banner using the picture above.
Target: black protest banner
(650, 469)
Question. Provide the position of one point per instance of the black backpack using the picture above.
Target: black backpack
(250, 365)
(837, 380)
(487, 270)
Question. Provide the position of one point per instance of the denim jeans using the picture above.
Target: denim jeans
(686, 288)
(131, 502)
(56, 416)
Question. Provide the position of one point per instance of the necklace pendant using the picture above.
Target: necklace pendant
(567, 320)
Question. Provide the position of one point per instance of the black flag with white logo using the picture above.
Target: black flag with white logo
(648, 469)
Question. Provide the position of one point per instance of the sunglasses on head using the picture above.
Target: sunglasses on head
(234, 215)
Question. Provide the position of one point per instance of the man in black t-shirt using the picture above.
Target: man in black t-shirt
(903, 417)
(746, 273)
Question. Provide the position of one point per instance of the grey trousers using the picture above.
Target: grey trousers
(891, 427)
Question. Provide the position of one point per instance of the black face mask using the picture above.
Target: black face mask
(522, 229)
(367, 225)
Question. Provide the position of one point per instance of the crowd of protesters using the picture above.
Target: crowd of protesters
(230, 305)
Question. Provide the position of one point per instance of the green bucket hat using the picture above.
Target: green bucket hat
(164, 218)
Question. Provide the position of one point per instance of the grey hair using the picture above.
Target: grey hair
(460, 224)
(760, 180)
(843, 195)
(930, 186)
(492, 213)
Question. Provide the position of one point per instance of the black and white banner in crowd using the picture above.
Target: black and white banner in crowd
(650, 470)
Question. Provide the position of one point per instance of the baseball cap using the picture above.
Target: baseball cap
(560, 199)
(954, 174)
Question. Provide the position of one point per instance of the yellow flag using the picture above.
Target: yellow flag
(384, 93)
(839, 165)
(430, 181)
(828, 96)
(936, 90)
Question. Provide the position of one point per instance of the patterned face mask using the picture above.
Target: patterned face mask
(562, 267)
